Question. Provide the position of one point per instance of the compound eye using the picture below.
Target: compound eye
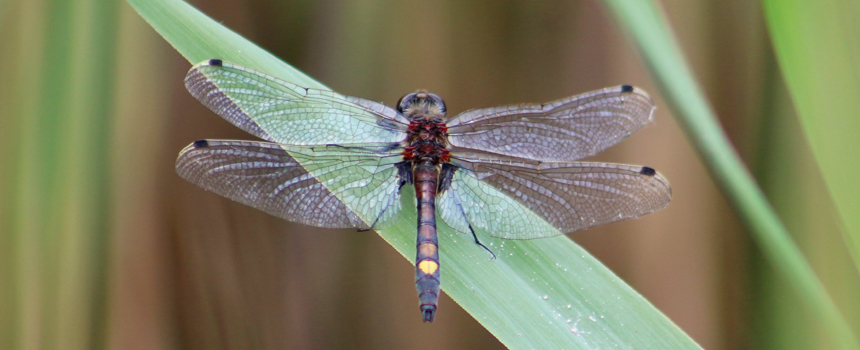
(438, 101)
(405, 101)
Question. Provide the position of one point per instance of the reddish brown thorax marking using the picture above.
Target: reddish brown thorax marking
(428, 140)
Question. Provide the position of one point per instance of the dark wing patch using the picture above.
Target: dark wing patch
(648, 171)
(201, 144)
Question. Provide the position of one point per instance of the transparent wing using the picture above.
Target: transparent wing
(264, 176)
(522, 201)
(564, 130)
(366, 178)
(282, 112)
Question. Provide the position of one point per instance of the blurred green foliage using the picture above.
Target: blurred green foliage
(101, 246)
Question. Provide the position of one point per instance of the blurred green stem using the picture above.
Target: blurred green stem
(58, 219)
(645, 22)
(816, 45)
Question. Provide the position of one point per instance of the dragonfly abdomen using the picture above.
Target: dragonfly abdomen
(425, 177)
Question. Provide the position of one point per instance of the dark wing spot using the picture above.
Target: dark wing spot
(216, 62)
(627, 88)
(201, 144)
(648, 171)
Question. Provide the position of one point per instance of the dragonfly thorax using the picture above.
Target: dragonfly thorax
(427, 139)
(427, 145)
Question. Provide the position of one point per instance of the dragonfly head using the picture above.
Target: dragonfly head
(422, 104)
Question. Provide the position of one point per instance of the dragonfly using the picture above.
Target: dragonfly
(336, 161)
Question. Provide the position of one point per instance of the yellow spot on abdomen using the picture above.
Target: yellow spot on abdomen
(428, 266)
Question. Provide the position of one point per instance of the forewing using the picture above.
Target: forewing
(282, 112)
(262, 175)
(564, 130)
(525, 202)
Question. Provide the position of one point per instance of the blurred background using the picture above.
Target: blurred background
(102, 245)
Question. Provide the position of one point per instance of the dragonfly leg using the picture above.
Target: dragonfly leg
(366, 149)
(447, 176)
(394, 196)
(372, 226)
(479, 242)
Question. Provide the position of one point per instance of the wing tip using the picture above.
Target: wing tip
(215, 62)
(652, 174)
(630, 89)
(661, 183)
